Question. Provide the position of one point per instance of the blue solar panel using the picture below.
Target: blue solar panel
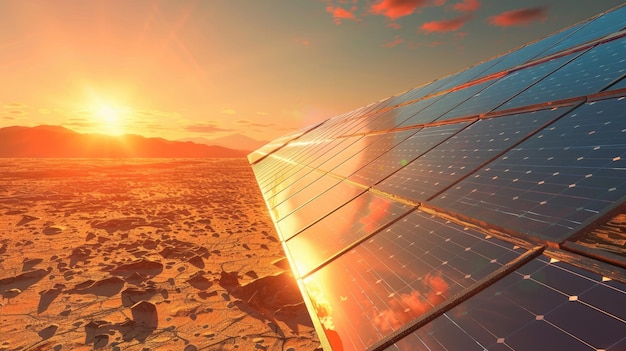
(448, 101)
(618, 85)
(463, 153)
(602, 26)
(587, 74)
(526, 53)
(403, 153)
(506, 87)
(557, 180)
(468, 74)
(418, 118)
(355, 220)
(545, 305)
(400, 274)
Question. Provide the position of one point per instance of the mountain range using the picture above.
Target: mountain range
(57, 141)
(233, 141)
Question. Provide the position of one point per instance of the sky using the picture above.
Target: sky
(180, 69)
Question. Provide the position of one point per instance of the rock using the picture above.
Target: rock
(48, 332)
(100, 340)
(53, 229)
(145, 314)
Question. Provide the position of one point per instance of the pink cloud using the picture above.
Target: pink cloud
(340, 13)
(466, 6)
(445, 25)
(395, 42)
(520, 17)
(397, 8)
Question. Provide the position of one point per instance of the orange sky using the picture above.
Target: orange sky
(184, 69)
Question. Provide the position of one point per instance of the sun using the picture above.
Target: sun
(110, 119)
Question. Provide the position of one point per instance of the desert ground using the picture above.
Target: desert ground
(142, 254)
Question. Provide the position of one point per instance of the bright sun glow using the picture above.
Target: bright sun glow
(110, 119)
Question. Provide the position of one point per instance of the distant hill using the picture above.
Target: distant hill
(233, 141)
(56, 141)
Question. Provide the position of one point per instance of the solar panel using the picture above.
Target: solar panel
(527, 52)
(587, 74)
(348, 224)
(482, 211)
(464, 152)
(602, 26)
(544, 305)
(317, 207)
(557, 180)
(372, 152)
(507, 87)
(400, 274)
(621, 84)
(403, 153)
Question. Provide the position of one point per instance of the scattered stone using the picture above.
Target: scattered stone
(197, 261)
(145, 314)
(48, 332)
(29, 264)
(27, 218)
(100, 340)
(53, 229)
(142, 266)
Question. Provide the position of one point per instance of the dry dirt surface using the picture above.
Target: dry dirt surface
(142, 254)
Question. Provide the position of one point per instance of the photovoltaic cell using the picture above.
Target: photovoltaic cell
(417, 118)
(318, 185)
(355, 220)
(398, 275)
(301, 181)
(468, 74)
(463, 153)
(506, 87)
(448, 102)
(403, 153)
(604, 25)
(386, 142)
(621, 84)
(552, 183)
(587, 74)
(356, 144)
(545, 305)
(318, 207)
(528, 52)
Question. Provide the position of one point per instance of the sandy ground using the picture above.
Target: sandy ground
(142, 255)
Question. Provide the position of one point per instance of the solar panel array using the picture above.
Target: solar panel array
(483, 211)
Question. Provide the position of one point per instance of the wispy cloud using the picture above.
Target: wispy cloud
(14, 105)
(445, 25)
(229, 111)
(205, 128)
(519, 17)
(394, 9)
(397, 40)
(339, 13)
(466, 6)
